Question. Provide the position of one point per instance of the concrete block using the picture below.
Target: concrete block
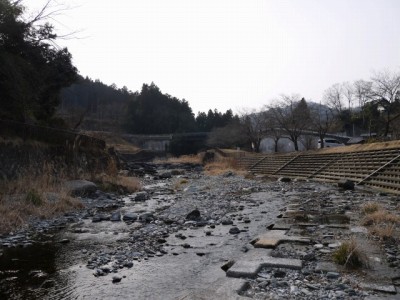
(275, 237)
(244, 269)
(250, 268)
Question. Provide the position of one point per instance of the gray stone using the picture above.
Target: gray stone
(130, 217)
(284, 179)
(332, 275)
(194, 215)
(226, 221)
(379, 287)
(116, 278)
(165, 175)
(146, 217)
(115, 216)
(140, 196)
(234, 230)
(80, 187)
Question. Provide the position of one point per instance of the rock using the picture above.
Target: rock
(64, 241)
(146, 217)
(140, 196)
(180, 236)
(279, 274)
(165, 175)
(98, 273)
(115, 217)
(332, 275)
(346, 184)
(116, 278)
(234, 230)
(130, 217)
(227, 265)
(284, 179)
(228, 174)
(80, 187)
(194, 215)
(128, 264)
(226, 221)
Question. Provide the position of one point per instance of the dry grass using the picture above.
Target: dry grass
(363, 147)
(191, 159)
(44, 196)
(26, 198)
(178, 185)
(380, 217)
(381, 223)
(350, 255)
(223, 165)
(111, 181)
(370, 207)
(114, 140)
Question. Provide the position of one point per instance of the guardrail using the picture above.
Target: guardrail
(48, 134)
(374, 168)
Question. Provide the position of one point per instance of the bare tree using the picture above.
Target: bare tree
(232, 135)
(254, 124)
(323, 120)
(272, 128)
(293, 116)
(362, 92)
(333, 97)
(385, 90)
(348, 93)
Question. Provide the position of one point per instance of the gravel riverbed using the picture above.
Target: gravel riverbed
(170, 240)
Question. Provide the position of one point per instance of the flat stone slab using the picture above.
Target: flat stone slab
(273, 238)
(303, 224)
(245, 269)
(389, 288)
(281, 225)
(338, 226)
(251, 265)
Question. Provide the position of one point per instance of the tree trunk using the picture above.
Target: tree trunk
(276, 145)
(296, 145)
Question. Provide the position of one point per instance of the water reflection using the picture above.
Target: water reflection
(25, 272)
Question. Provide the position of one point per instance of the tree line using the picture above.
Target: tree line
(38, 83)
(370, 107)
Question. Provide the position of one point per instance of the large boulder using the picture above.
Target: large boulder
(80, 187)
(346, 184)
(194, 215)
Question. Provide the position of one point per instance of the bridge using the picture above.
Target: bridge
(161, 142)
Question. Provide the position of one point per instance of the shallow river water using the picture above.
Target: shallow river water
(52, 270)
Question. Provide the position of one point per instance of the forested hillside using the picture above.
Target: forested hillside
(93, 105)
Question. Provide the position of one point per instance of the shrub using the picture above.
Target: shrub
(370, 207)
(349, 255)
(33, 197)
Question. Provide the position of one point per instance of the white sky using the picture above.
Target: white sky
(231, 53)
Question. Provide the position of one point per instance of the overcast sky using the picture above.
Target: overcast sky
(231, 53)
